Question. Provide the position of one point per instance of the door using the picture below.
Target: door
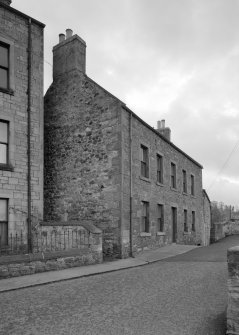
(174, 224)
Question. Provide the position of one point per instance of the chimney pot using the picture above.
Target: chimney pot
(6, 2)
(163, 123)
(61, 37)
(158, 124)
(69, 33)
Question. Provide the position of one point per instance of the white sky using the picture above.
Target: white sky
(166, 59)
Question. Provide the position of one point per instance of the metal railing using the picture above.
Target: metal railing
(45, 241)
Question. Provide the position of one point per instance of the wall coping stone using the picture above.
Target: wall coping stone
(88, 225)
(233, 254)
(233, 291)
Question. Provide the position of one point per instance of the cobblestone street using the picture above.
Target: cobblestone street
(183, 295)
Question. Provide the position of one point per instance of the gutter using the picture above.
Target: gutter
(25, 16)
(161, 136)
(29, 196)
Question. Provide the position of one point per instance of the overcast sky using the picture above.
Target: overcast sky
(176, 60)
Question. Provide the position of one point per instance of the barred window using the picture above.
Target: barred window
(145, 217)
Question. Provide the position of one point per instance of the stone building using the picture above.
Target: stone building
(21, 124)
(207, 220)
(105, 165)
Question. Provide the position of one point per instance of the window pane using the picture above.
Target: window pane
(159, 211)
(3, 154)
(144, 209)
(3, 209)
(3, 234)
(3, 78)
(3, 132)
(159, 168)
(3, 56)
(144, 155)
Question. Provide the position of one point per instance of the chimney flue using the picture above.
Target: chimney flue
(69, 55)
(6, 2)
(61, 37)
(69, 33)
(165, 131)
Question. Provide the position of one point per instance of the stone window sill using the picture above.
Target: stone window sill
(173, 189)
(161, 233)
(145, 179)
(144, 234)
(7, 91)
(6, 167)
(159, 184)
(184, 193)
(186, 233)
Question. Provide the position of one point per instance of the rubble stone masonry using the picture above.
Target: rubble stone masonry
(88, 151)
(149, 190)
(82, 160)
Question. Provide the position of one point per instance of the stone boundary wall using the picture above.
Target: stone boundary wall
(233, 291)
(220, 230)
(44, 258)
(21, 265)
(217, 232)
(231, 227)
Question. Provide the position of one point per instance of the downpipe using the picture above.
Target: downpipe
(29, 223)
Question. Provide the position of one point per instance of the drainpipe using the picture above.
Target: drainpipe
(131, 190)
(29, 136)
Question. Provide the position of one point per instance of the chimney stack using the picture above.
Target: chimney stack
(6, 2)
(69, 33)
(62, 38)
(69, 54)
(165, 131)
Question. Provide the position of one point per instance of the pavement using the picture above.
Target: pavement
(141, 259)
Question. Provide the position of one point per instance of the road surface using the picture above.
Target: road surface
(183, 295)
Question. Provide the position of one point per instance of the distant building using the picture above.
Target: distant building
(207, 220)
(106, 165)
(21, 123)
